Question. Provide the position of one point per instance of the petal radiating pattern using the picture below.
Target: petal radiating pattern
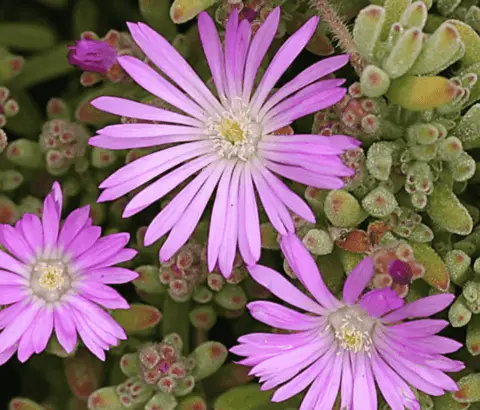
(54, 276)
(231, 129)
(345, 347)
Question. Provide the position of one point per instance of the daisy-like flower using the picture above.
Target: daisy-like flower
(346, 345)
(53, 276)
(228, 142)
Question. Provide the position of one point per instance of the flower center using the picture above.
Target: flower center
(231, 131)
(353, 328)
(235, 133)
(50, 280)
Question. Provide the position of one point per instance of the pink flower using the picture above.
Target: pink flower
(53, 277)
(225, 143)
(346, 346)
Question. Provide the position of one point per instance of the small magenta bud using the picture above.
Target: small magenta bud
(92, 55)
(400, 271)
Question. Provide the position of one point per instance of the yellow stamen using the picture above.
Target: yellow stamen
(231, 131)
(52, 277)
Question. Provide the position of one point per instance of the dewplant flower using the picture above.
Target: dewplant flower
(227, 142)
(54, 277)
(346, 345)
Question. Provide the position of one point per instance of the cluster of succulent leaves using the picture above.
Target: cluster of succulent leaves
(414, 102)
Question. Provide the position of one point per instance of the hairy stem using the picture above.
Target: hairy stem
(340, 32)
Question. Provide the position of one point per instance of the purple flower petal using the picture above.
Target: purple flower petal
(65, 328)
(171, 214)
(184, 227)
(364, 392)
(378, 302)
(213, 51)
(229, 244)
(283, 289)
(357, 280)
(282, 60)
(219, 217)
(171, 62)
(133, 109)
(420, 308)
(149, 79)
(42, 329)
(164, 185)
(307, 271)
(306, 77)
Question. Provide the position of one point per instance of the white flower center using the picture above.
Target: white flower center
(50, 279)
(235, 133)
(353, 328)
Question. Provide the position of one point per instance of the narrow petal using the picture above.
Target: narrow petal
(15, 329)
(169, 216)
(10, 264)
(307, 271)
(308, 105)
(317, 390)
(83, 241)
(32, 230)
(166, 161)
(103, 319)
(306, 77)
(11, 279)
(282, 60)
(25, 346)
(283, 289)
(213, 50)
(159, 161)
(243, 245)
(52, 207)
(305, 177)
(89, 339)
(258, 49)
(73, 224)
(364, 392)
(315, 89)
(424, 307)
(357, 280)
(115, 143)
(183, 229)
(391, 384)
(13, 241)
(218, 218)
(133, 109)
(289, 198)
(171, 62)
(113, 275)
(12, 294)
(243, 42)
(326, 165)
(105, 247)
(147, 78)
(231, 34)
(332, 384)
(276, 211)
(165, 184)
(347, 381)
(43, 329)
(147, 130)
(300, 382)
(250, 211)
(410, 376)
(418, 328)
(276, 315)
(65, 328)
(228, 246)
